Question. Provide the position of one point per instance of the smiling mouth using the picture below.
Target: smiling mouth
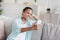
(28, 17)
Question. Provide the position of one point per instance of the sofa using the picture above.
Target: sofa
(6, 28)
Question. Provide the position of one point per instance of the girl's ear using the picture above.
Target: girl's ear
(22, 13)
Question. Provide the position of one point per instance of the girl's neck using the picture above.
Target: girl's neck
(24, 20)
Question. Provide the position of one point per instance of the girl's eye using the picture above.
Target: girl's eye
(30, 14)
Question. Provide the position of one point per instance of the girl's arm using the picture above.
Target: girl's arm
(34, 16)
(34, 27)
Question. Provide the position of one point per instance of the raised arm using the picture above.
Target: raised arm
(34, 27)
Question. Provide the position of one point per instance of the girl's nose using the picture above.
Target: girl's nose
(27, 14)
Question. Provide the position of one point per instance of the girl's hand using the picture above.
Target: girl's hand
(34, 16)
(34, 27)
(38, 23)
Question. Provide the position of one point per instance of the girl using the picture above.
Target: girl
(22, 27)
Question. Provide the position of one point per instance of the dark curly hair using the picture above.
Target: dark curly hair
(27, 8)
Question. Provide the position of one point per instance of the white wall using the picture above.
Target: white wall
(12, 10)
(56, 3)
(10, 7)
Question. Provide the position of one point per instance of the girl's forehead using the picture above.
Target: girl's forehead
(29, 10)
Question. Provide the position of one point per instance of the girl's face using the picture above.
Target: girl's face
(27, 14)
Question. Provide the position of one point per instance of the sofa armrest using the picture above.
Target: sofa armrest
(2, 35)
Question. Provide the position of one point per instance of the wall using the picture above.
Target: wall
(10, 7)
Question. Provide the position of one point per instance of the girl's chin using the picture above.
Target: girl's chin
(27, 18)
